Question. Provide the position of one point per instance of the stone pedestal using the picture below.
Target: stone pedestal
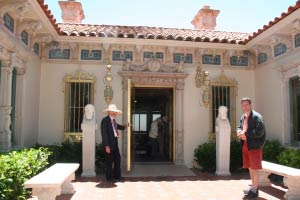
(88, 127)
(223, 135)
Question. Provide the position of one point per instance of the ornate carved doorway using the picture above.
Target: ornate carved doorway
(155, 75)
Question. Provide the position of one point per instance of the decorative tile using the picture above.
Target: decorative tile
(24, 37)
(158, 55)
(262, 57)
(36, 48)
(59, 54)
(211, 60)
(279, 49)
(148, 55)
(119, 56)
(239, 60)
(91, 55)
(177, 57)
(9, 22)
(297, 40)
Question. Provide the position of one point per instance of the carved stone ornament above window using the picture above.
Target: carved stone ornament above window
(153, 65)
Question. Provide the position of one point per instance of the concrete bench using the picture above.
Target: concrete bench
(53, 181)
(291, 178)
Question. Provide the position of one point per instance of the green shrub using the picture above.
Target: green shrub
(71, 152)
(236, 157)
(17, 167)
(271, 150)
(290, 157)
(205, 156)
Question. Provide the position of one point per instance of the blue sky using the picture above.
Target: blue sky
(235, 15)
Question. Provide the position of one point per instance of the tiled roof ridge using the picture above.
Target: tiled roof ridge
(156, 27)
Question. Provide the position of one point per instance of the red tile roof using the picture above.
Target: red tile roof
(47, 12)
(290, 10)
(144, 32)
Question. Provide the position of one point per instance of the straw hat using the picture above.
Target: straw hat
(112, 108)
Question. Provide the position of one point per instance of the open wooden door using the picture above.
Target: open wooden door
(129, 131)
(127, 119)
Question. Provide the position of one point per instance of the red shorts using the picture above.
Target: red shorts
(252, 158)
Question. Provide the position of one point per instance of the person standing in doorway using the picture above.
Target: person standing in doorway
(110, 134)
(251, 131)
(162, 130)
(153, 137)
(156, 135)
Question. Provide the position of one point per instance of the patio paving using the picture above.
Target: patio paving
(200, 187)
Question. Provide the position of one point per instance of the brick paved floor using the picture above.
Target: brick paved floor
(200, 187)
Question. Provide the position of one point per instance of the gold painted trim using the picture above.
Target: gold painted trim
(129, 126)
(174, 124)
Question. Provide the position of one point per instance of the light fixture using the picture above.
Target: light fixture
(108, 91)
(202, 81)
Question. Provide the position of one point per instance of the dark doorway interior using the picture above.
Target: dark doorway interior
(149, 104)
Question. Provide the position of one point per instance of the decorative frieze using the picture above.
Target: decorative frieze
(263, 53)
(211, 59)
(279, 49)
(30, 26)
(281, 44)
(239, 61)
(153, 65)
(9, 22)
(138, 52)
(36, 48)
(261, 58)
(91, 54)
(59, 54)
(186, 58)
(297, 40)
(122, 55)
(24, 37)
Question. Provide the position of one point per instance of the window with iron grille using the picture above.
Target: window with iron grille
(223, 96)
(77, 96)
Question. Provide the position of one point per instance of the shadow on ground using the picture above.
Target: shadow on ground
(100, 182)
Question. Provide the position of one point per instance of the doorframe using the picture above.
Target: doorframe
(174, 111)
(160, 79)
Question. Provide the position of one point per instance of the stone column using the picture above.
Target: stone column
(179, 122)
(5, 106)
(18, 140)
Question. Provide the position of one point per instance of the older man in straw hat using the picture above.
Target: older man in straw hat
(110, 134)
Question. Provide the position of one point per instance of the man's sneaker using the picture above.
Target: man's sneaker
(246, 191)
(252, 194)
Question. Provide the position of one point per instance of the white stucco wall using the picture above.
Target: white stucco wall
(273, 96)
(51, 122)
(30, 103)
(269, 100)
(196, 117)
